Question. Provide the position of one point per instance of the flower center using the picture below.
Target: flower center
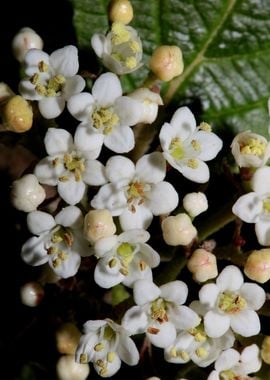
(266, 205)
(231, 303)
(73, 163)
(136, 193)
(230, 375)
(105, 119)
(253, 146)
(125, 252)
(176, 149)
(182, 354)
(60, 235)
(198, 333)
(50, 87)
(159, 310)
(108, 355)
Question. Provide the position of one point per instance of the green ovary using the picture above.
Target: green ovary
(231, 303)
(105, 119)
(176, 149)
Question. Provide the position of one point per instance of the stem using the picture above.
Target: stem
(172, 269)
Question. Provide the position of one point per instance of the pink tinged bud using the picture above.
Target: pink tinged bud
(178, 230)
(98, 224)
(167, 62)
(24, 40)
(265, 350)
(203, 265)
(257, 266)
(68, 369)
(31, 294)
(67, 338)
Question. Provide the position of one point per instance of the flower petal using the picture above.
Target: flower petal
(135, 320)
(134, 236)
(227, 359)
(183, 317)
(104, 245)
(129, 110)
(199, 174)
(140, 219)
(120, 140)
(106, 89)
(94, 173)
(73, 85)
(70, 216)
(127, 350)
(248, 207)
(68, 267)
(164, 337)
(216, 324)
(39, 222)
(174, 291)
(71, 191)
(33, 251)
(253, 294)
(51, 107)
(246, 323)
(88, 142)
(210, 144)
(151, 168)
(58, 141)
(46, 172)
(262, 229)
(145, 291)
(118, 168)
(108, 197)
(65, 61)
(105, 279)
(81, 106)
(184, 122)
(208, 294)
(261, 180)
(162, 198)
(230, 278)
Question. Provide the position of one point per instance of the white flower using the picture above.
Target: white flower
(136, 192)
(120, 50)
(70, 165)
(24, 40)
(51, 79)
(195, 203)
(250, 149)
(254, 207)
(160, 312)
(186, 147)
(233, 365)
(150, 101)
(106, 115)
(105, 344)
(124, 258)
(231, 302)
(59, 241)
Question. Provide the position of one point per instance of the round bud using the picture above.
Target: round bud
(24, 40)
(68, 369)
(257, 266)
(195, 203)
(98, 224)
(167, 62)
(265, 350)
(31, 294)
(178, 230)
(120, 11)
(17, 114)
(67, 338)
(203, 265)
(26, 193)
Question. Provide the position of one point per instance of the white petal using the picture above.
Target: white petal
(149, 255)
(104, 245)
(214, 375)
(227, 359)
(68, 267)
(135, 320)
(136, 273)
(210, 144)
(88, 142)
(134, 236)
(46, 172)
(70, 216)
(262, 229)
(164, 337)
(261, 180)
(119, 167)
(248, 207)
(127, 350)
(94, 173)
(145, 291)
(58, 141)
(81, 106)
(246, 323)
(162, 198)
(253, 294)
(34, 56)
(250, 358)
(129, 110)
(230, 278)
(183, 317)
(106, 89)
(73, 85)
(28, 90)
(216, 324)
(97, 43)
(151, 168)
(104, 279)
(33, 252)
(93, 325)
(110, 198)
(120, 140)
(71, 191)
(39, 222)
(51, 107)
(174, 291)
(184, 122)
(141, 218)
(65, 61)
(200, 174)
(208, 294)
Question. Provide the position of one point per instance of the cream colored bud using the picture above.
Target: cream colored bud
(31, 294)
(203, 265)
(265, 350)
(5, 92)
(120, 11)
(98, 224)
(24, 40)
(178, 230)
(68, 369)
(257, 266)
(67, 338)
(195, 203)
(167, 62)
(17, 114)
(153, 378)
(26, 193)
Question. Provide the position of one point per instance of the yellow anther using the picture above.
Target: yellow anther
(99, 347)
(253, 146)
(201, 352)
(183, 355)
(131, 62)
(173, 352)
(193, 163)
(266, 204)
(43, 67)
(120, 34)
(142, 265)
(34, 79)
(112, 263)
(62, 256)
(111, 356)
(41, 90)
(83, 358)
(205, 127)
(56, 262)
(134, 46)
(123, 271)
(196, 145)
(105, 118)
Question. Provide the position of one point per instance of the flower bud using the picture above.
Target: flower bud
(24, 40)
(195, 203)
(203, 265)
(257, 266)
(178, 230)
(67, 338)
(265, 350)
(150, 101)
(17, 114)
(5, 92)
(167, 62)
(98, 224)
(68, 369)
(31, 294)
(26, 193)
(120, 11)
(153, 378)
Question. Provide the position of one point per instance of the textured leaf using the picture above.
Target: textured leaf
(226, 49)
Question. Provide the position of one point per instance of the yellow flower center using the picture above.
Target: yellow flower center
(136, 194)
(176, 149)
(253, 146)
(231, 303)
(125, 252)
(266, 205)
(198, 333)
(105, 119)
(159, 310)
(51, 87)
(73, 163)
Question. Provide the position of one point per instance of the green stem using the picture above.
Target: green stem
(172, 269)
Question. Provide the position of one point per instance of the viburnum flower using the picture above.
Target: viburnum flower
(231, 303)
(254, 207)
(136, 192)
(186, 146)
(120, 49)
(160, 312)
(150, 101)
(59, 241)
(124, 258)
(233, 365)
(51, 79)
(70, 164)
(106, 115)
(105, 343)
(250, 149)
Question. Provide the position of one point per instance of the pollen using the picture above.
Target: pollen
(120, 34)
(131, 62)
(83, 358)
(193, 163)
(205, 127)
(176, 149)
(253, 146)
(105, 119)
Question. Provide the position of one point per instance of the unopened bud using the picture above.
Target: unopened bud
(195, 203)
(67, 338)
(68, 369)
(31, 294)
(5, 92)
(24, 40)
(203, 265)
(150, 101)
(178, 230)
(120, 11)
(98, 224)
(167, 62)
(257, 266)
(26, 193)
(265, 350)
(17, 114)
(153, 378)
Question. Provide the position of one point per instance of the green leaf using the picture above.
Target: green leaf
(226, 49)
